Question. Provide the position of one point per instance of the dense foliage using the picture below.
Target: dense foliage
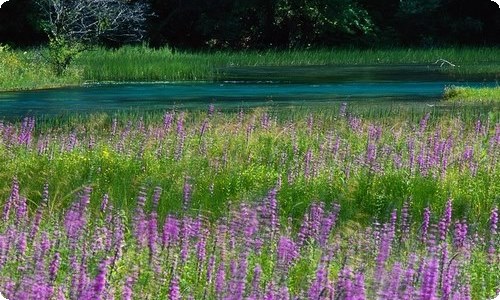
(338, 203)
(291, 23)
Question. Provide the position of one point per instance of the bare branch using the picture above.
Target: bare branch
(91, 21)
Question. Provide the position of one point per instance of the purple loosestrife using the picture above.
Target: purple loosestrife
(460, 234)
(201, 247)
(359, 292)
(256, 278)
(186, 193)
(26, 132)
(344, 284)
(428, 290)
(72, 142)
(445, 222)
(104, 203)
(423, 123)
(54, 267)
(38, 216)
(318, 283)
(383, 253)
(407, 285)
(185, 238)
(405, 221)
(139, 220)
(392, 286)
(220, 280)
(21, 211)
(170, 232)
(99, 284)
(493, 233)
(76, 219)
(308, 164)
(426, 224)
(447, 275)
(114, 126)
(265, 121)
(204, 127)
(168, 119)
(128, 288)
(270, 212)
(287, 252)
(174, 292)
(328, 223)
(153, 238)
(371, 156)
(210, 270)
(411, 155)
(181, 137)
(21, 244)
(12, 201)
(310, 124)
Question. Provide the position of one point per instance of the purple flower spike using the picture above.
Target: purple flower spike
(430, 280)
(99, 284)
(186, 193)
(174, 292)
(493, 233)
(426, 224)
(287, 252)
(445, 221)
(12, 201)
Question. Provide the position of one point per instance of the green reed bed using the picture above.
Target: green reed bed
(146, 64)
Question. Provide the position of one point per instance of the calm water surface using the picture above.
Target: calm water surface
(247, 87)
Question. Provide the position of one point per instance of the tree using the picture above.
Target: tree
(74, 25)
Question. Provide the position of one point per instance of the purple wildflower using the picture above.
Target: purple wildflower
(99, 284)
(287, 252)
(174, 292)
(186, 193)
(12, 201)
(426, 223)
(430, 279)
(170, 231)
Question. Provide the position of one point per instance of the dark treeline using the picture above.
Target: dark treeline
(260, 24)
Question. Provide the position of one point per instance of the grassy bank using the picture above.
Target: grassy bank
(472, 95)
(30, 71)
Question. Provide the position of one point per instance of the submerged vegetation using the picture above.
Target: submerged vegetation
(257, 204)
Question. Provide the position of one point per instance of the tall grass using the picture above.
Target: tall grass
(472, 95)
(146, 64)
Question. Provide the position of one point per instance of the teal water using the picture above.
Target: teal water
(248, 87)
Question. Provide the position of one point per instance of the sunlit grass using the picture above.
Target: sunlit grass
(472, 95)
(27, 70)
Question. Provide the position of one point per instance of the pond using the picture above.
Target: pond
(247, 87)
